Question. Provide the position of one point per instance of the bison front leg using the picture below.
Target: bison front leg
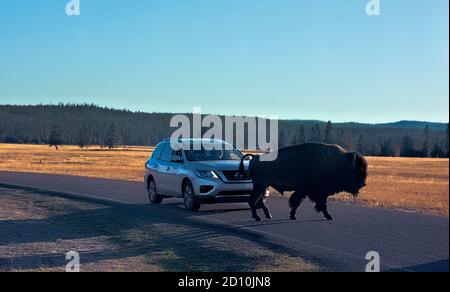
(256, 202)
(265, 209)
(253, 207)
(322, 207)
(295, 201)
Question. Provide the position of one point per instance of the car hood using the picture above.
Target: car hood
(216, 165)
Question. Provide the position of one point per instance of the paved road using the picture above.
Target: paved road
(405, 241)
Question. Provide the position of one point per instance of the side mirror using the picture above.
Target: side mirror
(177, 158)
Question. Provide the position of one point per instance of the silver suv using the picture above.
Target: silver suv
(204, 176)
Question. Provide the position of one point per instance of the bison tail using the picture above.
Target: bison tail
(241, 166)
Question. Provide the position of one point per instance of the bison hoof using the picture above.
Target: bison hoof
(329, 217)
(257, 219)
(293, 217)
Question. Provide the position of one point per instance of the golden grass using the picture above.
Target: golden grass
(125, 163)
(408, 183)
(402, 183)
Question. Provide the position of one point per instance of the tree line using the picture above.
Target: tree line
(373, 140)
(88, 124)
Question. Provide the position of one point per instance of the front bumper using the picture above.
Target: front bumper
(215, 190)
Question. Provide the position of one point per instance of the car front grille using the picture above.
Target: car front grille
(233, 175)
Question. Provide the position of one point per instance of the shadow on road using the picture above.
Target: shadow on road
(439, 266)
(156, 232)
(281, 222)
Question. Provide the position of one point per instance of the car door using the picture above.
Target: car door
(174, 177)
(163, 169)
(153, 165)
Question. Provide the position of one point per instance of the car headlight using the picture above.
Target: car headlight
(205, 174)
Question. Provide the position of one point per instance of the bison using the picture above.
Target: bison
(312, 170)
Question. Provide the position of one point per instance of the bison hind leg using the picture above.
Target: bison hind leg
(322, 207)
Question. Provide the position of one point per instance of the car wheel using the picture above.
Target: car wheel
(191, 203)
(153, 196)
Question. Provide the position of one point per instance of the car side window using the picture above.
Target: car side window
(166, 153)
(179, 154)
(157, 153)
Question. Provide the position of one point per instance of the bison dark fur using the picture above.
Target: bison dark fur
(313, 170)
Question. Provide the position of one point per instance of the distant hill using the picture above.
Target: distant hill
(396, 125)
(88, 124)
(415, 125)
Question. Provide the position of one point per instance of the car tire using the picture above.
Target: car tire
(191, 203)
(152, 192)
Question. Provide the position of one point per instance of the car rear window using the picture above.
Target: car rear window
(158, 151)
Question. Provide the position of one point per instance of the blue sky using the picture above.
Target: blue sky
(299, 59)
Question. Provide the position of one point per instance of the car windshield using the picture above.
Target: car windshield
(213, 155)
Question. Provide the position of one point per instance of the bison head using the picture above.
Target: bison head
(357, 172)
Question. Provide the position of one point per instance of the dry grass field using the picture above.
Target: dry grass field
(122, 163)
(410, 184)
(420, 185)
